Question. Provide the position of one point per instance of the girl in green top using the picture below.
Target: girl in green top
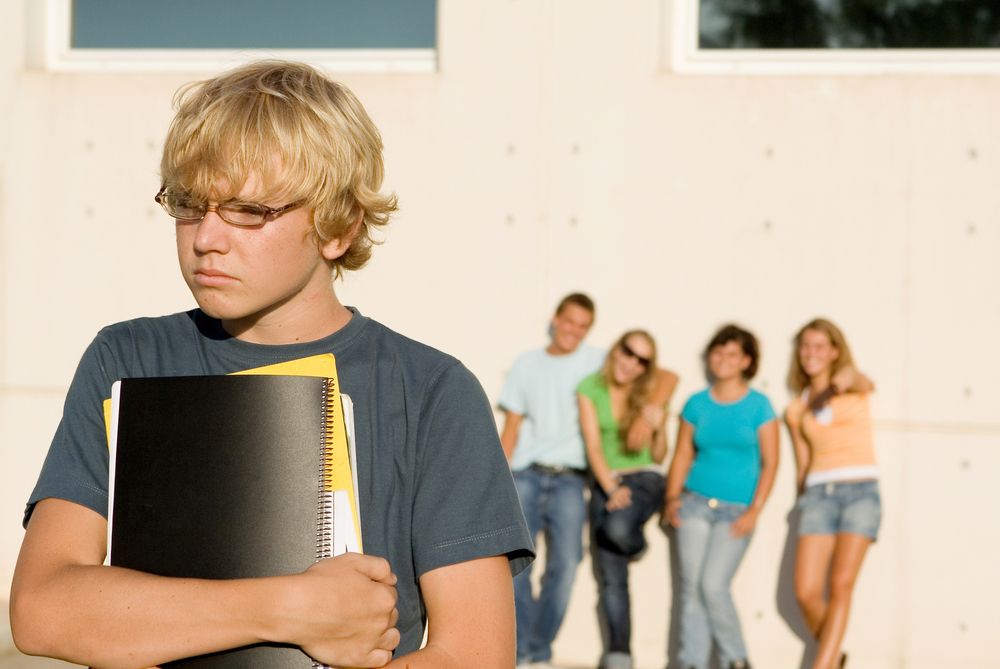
(627, 483)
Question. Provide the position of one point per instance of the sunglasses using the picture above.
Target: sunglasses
(645, 362)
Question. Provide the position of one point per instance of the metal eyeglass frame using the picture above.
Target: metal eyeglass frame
(266, 213)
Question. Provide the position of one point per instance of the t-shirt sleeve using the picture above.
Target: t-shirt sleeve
(465, 505)
(765, 412)
(690, 410)
(512, 395)
(589, 386)
(76, 466)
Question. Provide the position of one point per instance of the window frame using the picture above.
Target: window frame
(681, 53)
(50, 48)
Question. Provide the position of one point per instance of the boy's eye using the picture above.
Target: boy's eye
(182, 203)
(243, 213)
(248, 208)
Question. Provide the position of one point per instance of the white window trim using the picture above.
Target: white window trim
(680, 53)
(50, 49)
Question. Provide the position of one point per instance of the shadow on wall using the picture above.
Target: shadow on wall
(788, 606)
(673, 632)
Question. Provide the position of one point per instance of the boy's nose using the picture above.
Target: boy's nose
(213, 233)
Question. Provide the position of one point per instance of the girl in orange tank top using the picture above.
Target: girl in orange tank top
(839, 505)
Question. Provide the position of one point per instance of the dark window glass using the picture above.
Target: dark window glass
(254, 24)
(849, 24)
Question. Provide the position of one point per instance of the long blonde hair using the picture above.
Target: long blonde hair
(797, 377)
(641, 387)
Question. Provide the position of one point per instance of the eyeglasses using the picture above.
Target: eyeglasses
(645, 362)
(248, 214)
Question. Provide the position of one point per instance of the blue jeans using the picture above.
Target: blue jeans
(709, 556)
(553, 505)
(617, 539)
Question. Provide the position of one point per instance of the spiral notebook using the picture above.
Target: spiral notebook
(231, 477)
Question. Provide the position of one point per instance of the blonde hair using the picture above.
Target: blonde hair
(797, 377)
(642, 385)
(305, 137)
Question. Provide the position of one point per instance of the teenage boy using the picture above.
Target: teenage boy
(272, 173)
(541, 438)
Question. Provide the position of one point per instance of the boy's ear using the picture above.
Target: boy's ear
(338, 246)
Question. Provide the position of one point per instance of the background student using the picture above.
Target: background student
(840, 507)
(541, 438)
(626, 480)
(720, 477)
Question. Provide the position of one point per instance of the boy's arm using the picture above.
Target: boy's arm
(470, 617)
(654, 414)
(66, 604)
(510, 432)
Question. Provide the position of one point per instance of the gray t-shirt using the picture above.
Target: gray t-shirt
(434, 486)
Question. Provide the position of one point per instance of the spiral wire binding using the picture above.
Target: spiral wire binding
(324, 504)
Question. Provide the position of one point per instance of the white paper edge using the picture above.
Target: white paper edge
(112, 451)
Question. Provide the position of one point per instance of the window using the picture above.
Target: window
(835, 35)
(346, 35)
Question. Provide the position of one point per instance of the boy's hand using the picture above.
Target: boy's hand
(342, 611)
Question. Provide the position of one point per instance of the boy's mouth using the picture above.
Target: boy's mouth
(212, 277)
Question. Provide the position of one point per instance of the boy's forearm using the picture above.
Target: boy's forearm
(470, 618)
(428, 657)
(111, 617)
(663, 389)
(435, 657)
(66, 604)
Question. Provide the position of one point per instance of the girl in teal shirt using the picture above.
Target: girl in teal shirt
(720, 477)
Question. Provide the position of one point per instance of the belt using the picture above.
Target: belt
(556, 470)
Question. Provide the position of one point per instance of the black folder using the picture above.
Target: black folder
(222, 477)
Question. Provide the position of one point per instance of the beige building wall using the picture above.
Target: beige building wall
(553, 151)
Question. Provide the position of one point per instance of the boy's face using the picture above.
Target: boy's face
(265, 283)
(569, 327)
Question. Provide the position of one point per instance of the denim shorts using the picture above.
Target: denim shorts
(850, 506)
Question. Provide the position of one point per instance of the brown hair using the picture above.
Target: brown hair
(307, 139)
(641, 387)
(746, 340)
(579, 299)
(797, 377)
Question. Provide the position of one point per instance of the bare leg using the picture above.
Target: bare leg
(847, 559)
(813, 556)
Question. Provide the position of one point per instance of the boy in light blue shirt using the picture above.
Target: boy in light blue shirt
(541, 437)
